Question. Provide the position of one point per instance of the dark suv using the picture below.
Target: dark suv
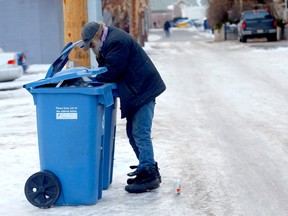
(257, 24)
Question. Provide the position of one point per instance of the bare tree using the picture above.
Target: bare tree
(217, 13)
(221, 11)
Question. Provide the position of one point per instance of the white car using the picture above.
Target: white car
(9, 66)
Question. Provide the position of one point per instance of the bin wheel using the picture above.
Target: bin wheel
(42, 189)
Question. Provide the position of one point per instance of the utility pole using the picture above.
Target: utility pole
(75, 16)
(285, 10)
(142, 34)
(138, 22)
(134, 19)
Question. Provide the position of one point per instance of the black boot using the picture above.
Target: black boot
(131, 180)
(146, 180)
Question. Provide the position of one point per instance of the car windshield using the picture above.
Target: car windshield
(256, 15)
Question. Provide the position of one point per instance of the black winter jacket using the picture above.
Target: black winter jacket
(137, 79)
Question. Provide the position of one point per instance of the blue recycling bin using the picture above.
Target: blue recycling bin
(76, 136)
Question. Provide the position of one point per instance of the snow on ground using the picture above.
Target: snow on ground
(220, 127)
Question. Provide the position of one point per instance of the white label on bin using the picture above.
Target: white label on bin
(66, 113)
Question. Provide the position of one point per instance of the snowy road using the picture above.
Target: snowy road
(221, 127)
(232, 120)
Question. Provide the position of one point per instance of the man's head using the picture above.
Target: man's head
(91, 32)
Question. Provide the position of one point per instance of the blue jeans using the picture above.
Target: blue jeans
(138, 128)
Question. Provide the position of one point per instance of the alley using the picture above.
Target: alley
(220, 127)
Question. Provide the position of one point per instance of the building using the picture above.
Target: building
(34, 27)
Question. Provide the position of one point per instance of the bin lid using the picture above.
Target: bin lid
(72, 73)
(55, 74)
(61, 61)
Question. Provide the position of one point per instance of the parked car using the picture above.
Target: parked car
(21, 59)
(11, 65)
(189, 22)
(257, 24)
(182, 22)
(176, 19)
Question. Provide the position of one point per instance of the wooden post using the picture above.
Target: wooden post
(141, 28)
(75, 16)
(134, 19)
(141, 22)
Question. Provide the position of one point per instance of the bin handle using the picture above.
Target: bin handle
(108, 96)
